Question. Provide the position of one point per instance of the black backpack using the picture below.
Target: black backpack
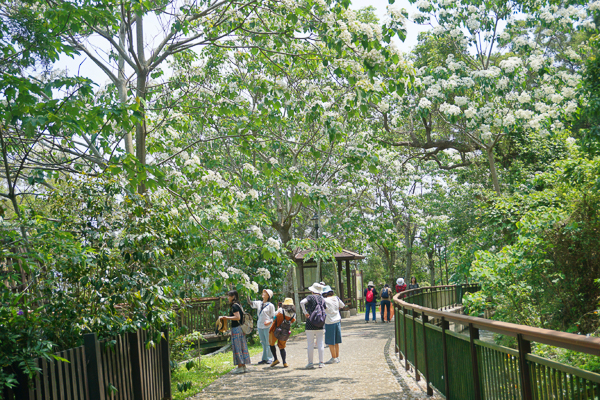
(385, 293)
(284, 330)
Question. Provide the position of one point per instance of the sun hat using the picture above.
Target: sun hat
(269, 292)
(327, 289)
(316, 288)
(400, 281)
(370, 284)
(288, 302)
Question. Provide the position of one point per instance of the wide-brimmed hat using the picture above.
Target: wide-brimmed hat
(327, 289)
(370, 284)
(316, 288)
(221, 326)
(269, 292)
(400, 281)
(288, 302)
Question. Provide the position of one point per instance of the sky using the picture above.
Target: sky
(81, 65)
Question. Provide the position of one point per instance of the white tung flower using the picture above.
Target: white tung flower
(524, 98)
(273, 243)
(424, 103)
(253, 193)
(461, 101)
(265, 273)
(224, 274)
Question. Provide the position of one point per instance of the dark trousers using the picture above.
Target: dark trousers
(383, 305)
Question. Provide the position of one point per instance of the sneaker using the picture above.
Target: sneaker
(337, 360)
(321, 365)
(366, 322)
(246, 369)
(285, 365)
(274, 363)
(309, 366)
(238, 370)
(263, 362)
(331, 361)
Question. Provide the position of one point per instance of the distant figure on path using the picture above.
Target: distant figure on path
(266, 312)
(370, 301)
(333, 324)
(400, 286)
(308, 305)
(413, 283)
(238, 339)
(287, 312)
(385, 302)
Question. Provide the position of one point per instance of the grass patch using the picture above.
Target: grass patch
(211, 368)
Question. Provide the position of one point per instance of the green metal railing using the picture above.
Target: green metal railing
(462, 366)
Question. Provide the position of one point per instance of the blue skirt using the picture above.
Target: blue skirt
(239, 346)
(333, 334)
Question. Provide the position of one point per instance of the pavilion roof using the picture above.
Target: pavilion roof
(343, 255)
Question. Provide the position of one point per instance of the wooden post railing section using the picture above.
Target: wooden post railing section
(119, 368)
(463, 367)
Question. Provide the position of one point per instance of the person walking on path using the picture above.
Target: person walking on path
(287, 312)
(333, 324)
(413, 283)
(400, 286)
(385, 302)
(308, 305)
(266, 312)
(370, 301)
(238, 340)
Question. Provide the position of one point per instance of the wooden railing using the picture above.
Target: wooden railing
(200, 315)
(463, 367)
(124, 367)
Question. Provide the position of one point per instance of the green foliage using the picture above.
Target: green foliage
(546, 274)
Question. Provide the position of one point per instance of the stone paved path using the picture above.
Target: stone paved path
(369, 369)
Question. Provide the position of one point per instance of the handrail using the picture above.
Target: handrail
(462, 366)
(571, 341)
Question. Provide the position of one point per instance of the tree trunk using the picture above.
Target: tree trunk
(141, 85)
(431, 260)
(408, 244)
(122, 86)
(493, 172)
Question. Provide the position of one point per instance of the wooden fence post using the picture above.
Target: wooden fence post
(426, 366)
(166, 364)
(94, 367)
(135, 356)
(474, 334)
(445, 326)
(524, 349)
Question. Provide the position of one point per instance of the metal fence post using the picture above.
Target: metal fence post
(426, 366)
(405, 340)
(166, 364)
(94, 367)
(416, 362)
(524, 349)
(135, 356)
(474, 334)
(445, 326)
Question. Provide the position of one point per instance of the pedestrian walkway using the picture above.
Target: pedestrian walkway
(369, 369)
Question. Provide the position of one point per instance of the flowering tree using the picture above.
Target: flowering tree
(490, 85)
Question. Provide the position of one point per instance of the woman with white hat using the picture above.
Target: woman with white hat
(309, 305)
(370, 301)
(266, 312)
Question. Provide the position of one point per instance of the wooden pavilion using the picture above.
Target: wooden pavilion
(306, 273)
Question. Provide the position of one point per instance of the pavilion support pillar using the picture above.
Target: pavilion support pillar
(336, 267)
(348, 279)
(340, 288)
